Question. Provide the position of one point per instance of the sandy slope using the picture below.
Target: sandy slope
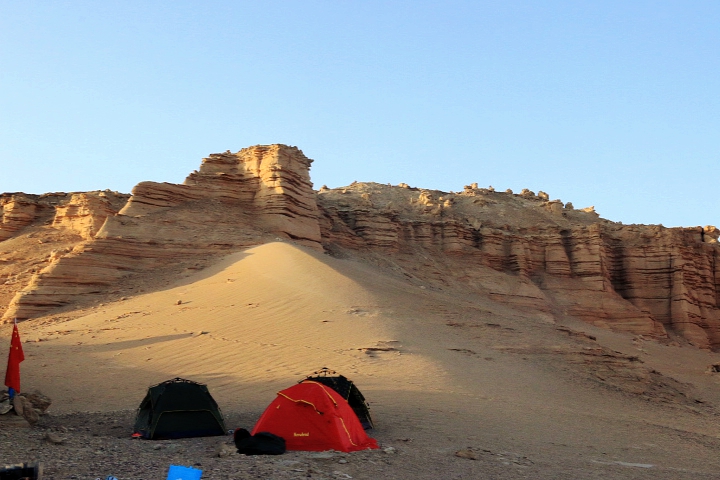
(444, 369)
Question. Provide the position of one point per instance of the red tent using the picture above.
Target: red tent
(311, 416)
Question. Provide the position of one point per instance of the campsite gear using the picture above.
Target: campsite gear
(311, 416)
(22, 471)
(348, 390)
(183, 473)
(15, 356)
(262, 443)
(178, 408)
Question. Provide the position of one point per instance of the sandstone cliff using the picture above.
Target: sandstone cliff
(522, 249)
(527, 250)
(37, 230)
(232, 202)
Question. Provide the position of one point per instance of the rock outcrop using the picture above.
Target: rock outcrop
(232, 202)
(85, 213)
(18, 211)
(269, 182)
(530, 251)
(522, 249)
(40, 229)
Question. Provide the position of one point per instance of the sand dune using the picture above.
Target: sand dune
(247, 326)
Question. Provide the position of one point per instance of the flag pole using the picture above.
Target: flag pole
(11, 390)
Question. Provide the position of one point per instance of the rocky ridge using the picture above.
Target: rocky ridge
(648, 280)
(233, 201)
(523, 249)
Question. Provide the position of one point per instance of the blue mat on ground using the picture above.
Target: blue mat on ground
(183, 473)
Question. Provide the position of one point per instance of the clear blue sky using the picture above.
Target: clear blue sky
(614, 104)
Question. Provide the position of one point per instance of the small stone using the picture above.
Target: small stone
(466, 453)
(19, 404)
(31, 415)
(342, 460)
(54, 438)
(225, 450)
(389, 450)
(38, 401)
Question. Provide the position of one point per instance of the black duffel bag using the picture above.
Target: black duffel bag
(262, 443)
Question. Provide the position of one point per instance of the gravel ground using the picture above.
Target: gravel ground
(95, 445)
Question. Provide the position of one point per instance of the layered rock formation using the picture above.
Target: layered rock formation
(269, 182)
(232, 202)
(526, 250)
(18, 211)
(522, 249)
(39, 229)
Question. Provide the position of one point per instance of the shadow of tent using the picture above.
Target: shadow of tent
(347, 389)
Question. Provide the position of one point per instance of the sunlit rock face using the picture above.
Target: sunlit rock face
(233, 201)
(18, 211)
(269, 182)
(85, 213)
(524, 250)
(272, 181)
(37, 230)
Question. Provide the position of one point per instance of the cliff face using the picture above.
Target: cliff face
(270, 183)
(521, 249)
(526, 250)
(232, 202)
(37, 230)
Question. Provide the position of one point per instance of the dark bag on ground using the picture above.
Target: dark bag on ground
(262, 443)
(29, 471)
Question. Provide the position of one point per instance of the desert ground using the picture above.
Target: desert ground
(459, 386)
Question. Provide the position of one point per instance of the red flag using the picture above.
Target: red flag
(16, 355)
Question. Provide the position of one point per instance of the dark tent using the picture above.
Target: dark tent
(347, 390)
(178, 408)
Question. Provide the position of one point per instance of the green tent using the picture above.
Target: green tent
(178, 408)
